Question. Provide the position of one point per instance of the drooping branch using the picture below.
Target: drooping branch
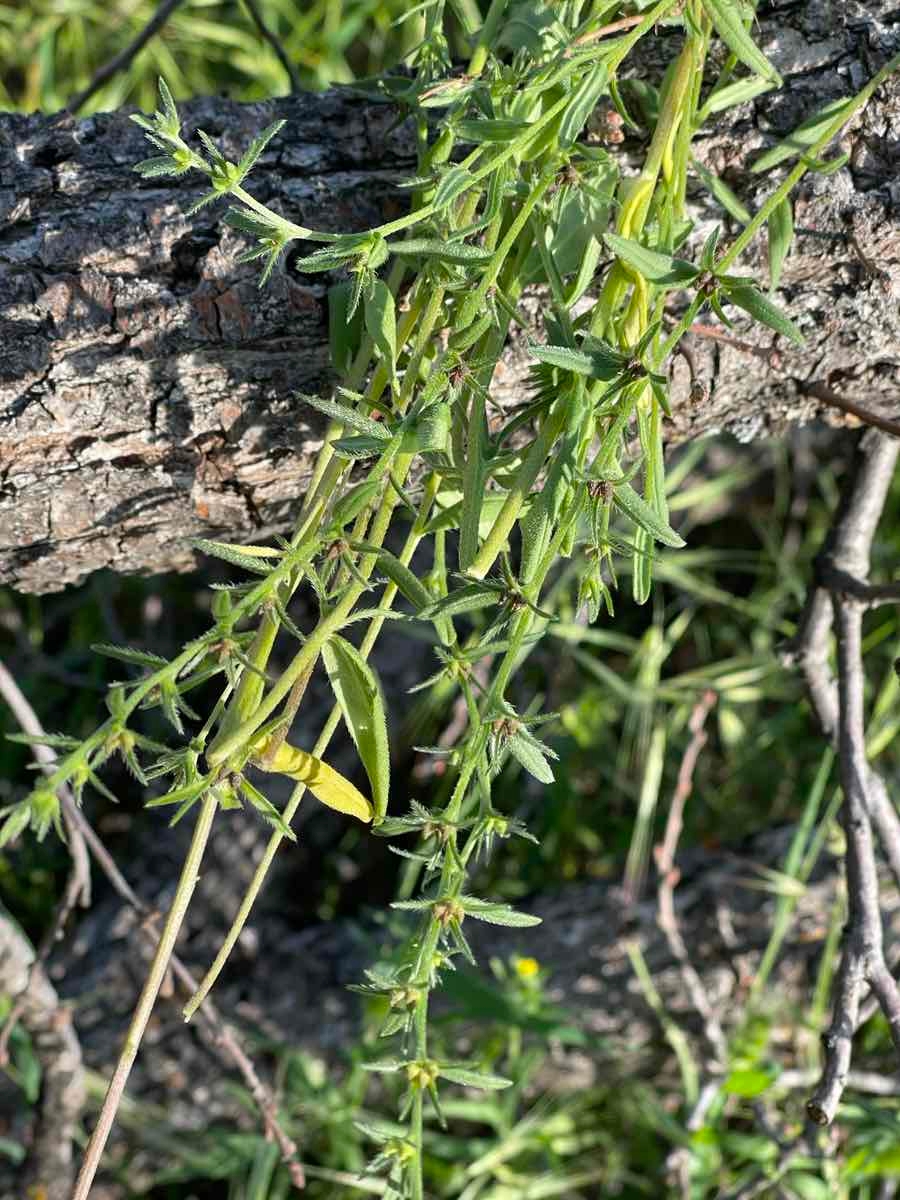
(148, 388)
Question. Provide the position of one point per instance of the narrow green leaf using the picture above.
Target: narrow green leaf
(402, 576)
(527, 753)
(657, 268)
(266, 809)
(258, 145)
(737, 93)
(347, 416)
(451, 252)
(582, 104)
(232, 554)
(128, 654)
(180, 795)
(474, 1079)
(637, 510)
(159, 164)
(469, 598)
(344, 328)
(358, 693)
(170, 112)
(780, 233)
(359, 447)
(353, 502)
(805, 135)
(594, 364)
(727, 19)
(453, 183)
(497, 914)
(16, 822)
(492, 130)
(381, 322)
(58, 741)
(762, 309)
(330, 258)
(475, 473)
(723, 193)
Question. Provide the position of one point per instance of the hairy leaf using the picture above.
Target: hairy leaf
(751, 300)
(658, 268)
(358, 694)
(636, 509)
(728, 21)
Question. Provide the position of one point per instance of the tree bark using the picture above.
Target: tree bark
(49, 1167)
(147, 387)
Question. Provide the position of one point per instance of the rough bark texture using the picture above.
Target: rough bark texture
(146, 386)
(48, 1169)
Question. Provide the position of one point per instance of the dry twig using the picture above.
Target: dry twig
(664, 855)
(125, 56)
(828, 395)
(839, 595)
(280, 52)
(78, 883)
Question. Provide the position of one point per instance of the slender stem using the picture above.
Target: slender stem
(157, 972)
(806, 161)
(390, 592)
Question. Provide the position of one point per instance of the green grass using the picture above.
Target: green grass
(50, 49)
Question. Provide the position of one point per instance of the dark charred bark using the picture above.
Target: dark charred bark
(147, 386)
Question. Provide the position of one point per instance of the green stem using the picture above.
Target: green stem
(387, 599)
(490, 550)
(157, 972)
(793, 178)
(486, 37)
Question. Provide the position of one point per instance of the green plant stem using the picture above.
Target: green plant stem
(552, 427)
(375, 626)
(794, 176)
(486, 37)
(155, 976)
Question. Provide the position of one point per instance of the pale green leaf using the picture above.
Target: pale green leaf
(781, 233)
(639, 511)
(358, 694)
(804, 136)
(381, 322)
(657, 268)
(728, 21)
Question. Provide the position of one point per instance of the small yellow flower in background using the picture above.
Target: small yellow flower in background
(526, 968)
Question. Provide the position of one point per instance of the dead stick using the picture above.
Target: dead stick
(125, 56)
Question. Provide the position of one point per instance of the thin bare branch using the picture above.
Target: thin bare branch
(828, 395)
(125, 56)
(846, 554)
(78, 883)
(280, 52)
(839, 595)
(664, 854)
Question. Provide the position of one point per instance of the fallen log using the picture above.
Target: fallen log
(147, 387)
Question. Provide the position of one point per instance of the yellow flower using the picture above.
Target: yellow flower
(527, 968)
